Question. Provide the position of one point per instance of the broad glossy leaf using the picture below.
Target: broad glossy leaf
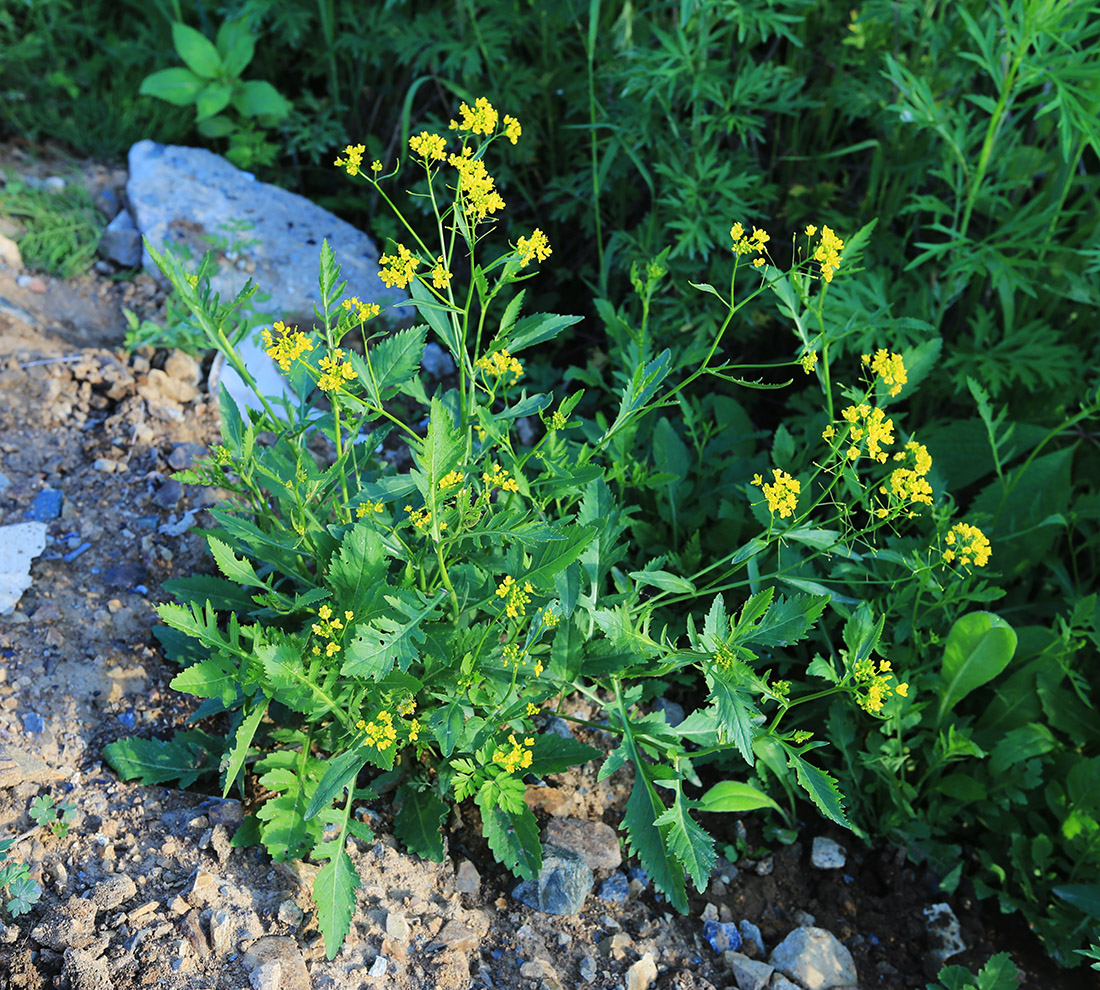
(979, 646)
(180, 87)
(196, 50)
(733, 795)
(418, 817)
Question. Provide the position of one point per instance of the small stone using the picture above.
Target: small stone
(456, 936)
(177, 905)
(33, 723)
(290, 914)
(562, 884)
(168, 495)
(722, 936)
(46, 506)
(223, 811)
(765, 866)
(752, 942)
(10, 255)
(619, 943)
(397, 926)
(221, 933)
(108, 204)
(284, 951)
(596, 841)
(38, 286)
(267, 976)
(780, 982)
(641, 975)
(748, 974)
(827, 854)
(816, 959)
(183, 367)
(5, 482)
(803, 919)
(587, 969)
(184, 454)
(121, 241)
(615, 888)
(72, 925)
(104, 267)
(467, 879)
(944, 933)
(54, 183)
(113, 892)
(202, 890)
(539, 969)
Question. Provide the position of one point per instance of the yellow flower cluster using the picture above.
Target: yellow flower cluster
(422, 518)
(827, 252)
(452, 479)
(967, 544)
(750, 244)
(482, 119)
(536, 246)
(808, 362)
(476, 185)
(398, 269)
(430, 147)
(441, 277)
(497, 477)
(353, 158)
(889, 367)
(548, 618)
(380, 731)
(330, 628)
(288, 346)
(363, 311)
(363, 508)
(909, 484)
(335, 372)
(724, 657)
(500, 363)
(782, 494)
(518, 756)
(873, 685)
(515, 658)
(532, 708)
(516, 596)
(868, 423)
(512, 129)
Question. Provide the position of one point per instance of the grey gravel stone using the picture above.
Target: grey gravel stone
(816, 959)
(113, 892)
(827, 854)
(563, 883)
(596, 841)
(944, 932)
(750, 936)
(121, 241)
(748, 974)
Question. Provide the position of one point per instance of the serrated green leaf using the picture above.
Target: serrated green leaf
(289, 681)
(334, 893)
(665, 580)
(556, 754)
(536, 328)
(514, 839)
(439, 453)
(786, 622)
(235, 568)
(218, 676)
(732, 795)
(417, 819)
(23, 893)
(393, 362)
(357, 572)
(640, 819)
(388, 641)
(821, 788)
(339, 772)
(688, 842)
(755, 607)
(734, 711)
(242, 742)
(159, 761)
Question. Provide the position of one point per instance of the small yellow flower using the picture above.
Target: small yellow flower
(518, 756)
(441, 277)
(376, 166)
(398, 269)
(828, 433)
(498, 477)
(499, 364)
(450, 480)
(288, 346)
(335, 372)
(811, 230)
(889, 367)
(324, 612)
(808, 361)
(537, 247)
(758, 262)
(512, 129)
(430, 147)
(532, 708)
(353, 158)
(516, 596)
(902, 690)
(782, 495)
(482, 119)
(967, 544)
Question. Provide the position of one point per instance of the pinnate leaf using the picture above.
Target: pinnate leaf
(334, 893)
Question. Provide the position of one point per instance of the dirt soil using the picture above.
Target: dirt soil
(145, 889)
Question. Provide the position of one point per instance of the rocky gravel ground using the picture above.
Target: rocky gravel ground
(145, 889)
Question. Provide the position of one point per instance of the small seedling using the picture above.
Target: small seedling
(15, 878)
(57, 818)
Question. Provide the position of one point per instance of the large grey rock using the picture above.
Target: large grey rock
(180, 195)
(815, 958)
(121, 242)
(596, 842)
(562, 884)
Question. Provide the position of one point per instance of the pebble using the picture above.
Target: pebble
(33, 724)
(168, 495)
(290, 914)
(120, 241)
(46, 506)
(803, 919)
(597, 842)
(105, 464)
(5, 482)
(615, 888)
(467, 879)
(748, 974)
(10, 255)
(112, 892)
(397, 926)
(588, 969)
(184, 454)
(816, 959)
(944, 933)
(562, 884)
(765, 866)
(379, 967)
(751, 939)
(722, 936)
(54, 183)
(107, 203)
(827, 854)
(641, 975)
